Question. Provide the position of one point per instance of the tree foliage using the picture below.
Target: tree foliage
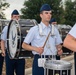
(70, 13)
(3, 6)
(31, 9)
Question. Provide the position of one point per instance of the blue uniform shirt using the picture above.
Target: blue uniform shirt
(72, 31)
(4, 35)
(38, 40)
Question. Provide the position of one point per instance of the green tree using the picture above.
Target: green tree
(3, 6)
(31, 9)
(70, 11)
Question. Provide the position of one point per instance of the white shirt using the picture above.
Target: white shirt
(4, 35)
(73, 31)
(38, 40)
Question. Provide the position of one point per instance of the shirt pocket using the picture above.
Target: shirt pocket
(38, 37)
(52, 39)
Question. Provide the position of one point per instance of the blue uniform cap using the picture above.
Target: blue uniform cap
(15, 12)
(53, 20)
(45, 7)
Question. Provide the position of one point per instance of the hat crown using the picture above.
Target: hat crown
(15, 12)
(52, 20)
(45, 7)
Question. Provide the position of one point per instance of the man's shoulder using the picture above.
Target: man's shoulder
(72, 31)
(6, 27)
(34, 27)
(73, 28)
(75, 25)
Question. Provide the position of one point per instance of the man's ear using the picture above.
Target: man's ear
(11, 16)
(41, 15)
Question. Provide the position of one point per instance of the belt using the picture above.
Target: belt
(45, 56)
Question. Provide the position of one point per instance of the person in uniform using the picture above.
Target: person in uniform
(37, 36)
(1, 59)
(70, 42)
(17, 65)
(53, 21)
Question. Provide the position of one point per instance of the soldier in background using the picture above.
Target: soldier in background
(17, 65)
(53, 21)
(1, 59)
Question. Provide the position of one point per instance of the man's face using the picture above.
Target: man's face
(46, 15)
(15, 17)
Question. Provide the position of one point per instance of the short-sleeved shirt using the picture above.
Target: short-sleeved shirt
(4, 35)
(73, 31)
(38, 40)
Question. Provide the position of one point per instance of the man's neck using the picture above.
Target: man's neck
(46, 23)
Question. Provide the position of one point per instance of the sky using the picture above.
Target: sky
(14, 4)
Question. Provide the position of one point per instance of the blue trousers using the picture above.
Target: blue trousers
(14, 65)
(35, 69)
(75, 62)
(1, 64)
(39, 70)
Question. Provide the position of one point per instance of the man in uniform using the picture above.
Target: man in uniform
(37, 36)
(1, 59)
(70, 42)
(53, 21)
(11, 64)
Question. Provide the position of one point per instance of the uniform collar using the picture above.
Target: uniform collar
(44, 26)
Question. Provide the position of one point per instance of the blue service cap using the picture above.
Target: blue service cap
(15, 12)
(45, 7)
(53, 20)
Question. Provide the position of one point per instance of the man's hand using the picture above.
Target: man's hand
(59, 50)
(39, 50)
(3, 53)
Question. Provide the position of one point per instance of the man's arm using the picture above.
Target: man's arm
(3, 47)
(32, 48)
(70, 42)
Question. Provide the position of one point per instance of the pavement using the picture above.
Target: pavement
(28, 71)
